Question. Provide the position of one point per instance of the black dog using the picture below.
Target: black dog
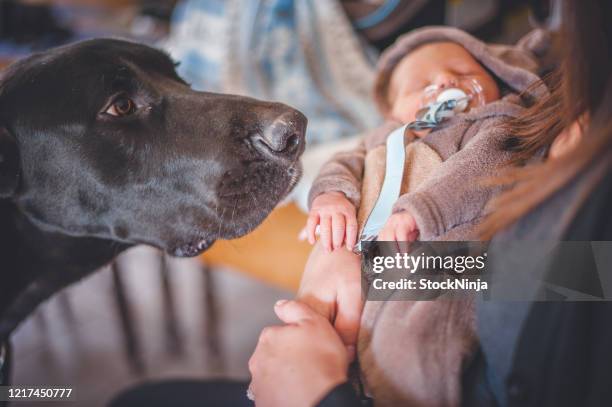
(103, 146)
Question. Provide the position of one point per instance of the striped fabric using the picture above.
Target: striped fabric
(301, 52)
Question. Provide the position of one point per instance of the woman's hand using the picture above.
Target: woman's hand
(400, 227)
(331, 285)
(299, 363)
(337, 220)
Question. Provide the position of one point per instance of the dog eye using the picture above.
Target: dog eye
(121, 107)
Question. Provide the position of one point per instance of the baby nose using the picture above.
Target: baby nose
(445, 80)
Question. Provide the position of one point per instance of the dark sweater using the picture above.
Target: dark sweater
(548, 353)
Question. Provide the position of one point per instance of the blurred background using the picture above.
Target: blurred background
(148, 316)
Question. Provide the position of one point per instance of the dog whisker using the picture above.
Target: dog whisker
(233, 212)
(254, 199)
(220, 222)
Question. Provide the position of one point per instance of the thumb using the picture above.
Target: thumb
(348, 317)
(293, 312)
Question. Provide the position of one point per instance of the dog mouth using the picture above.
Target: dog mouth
(193, 248)
(258, 185)
(245, 208)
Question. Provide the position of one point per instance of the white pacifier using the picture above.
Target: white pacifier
(459, 95)
(441, 103)
(459, 90)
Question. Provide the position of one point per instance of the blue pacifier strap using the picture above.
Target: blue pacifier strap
(392, 184)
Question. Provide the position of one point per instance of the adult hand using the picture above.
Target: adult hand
(299, 363)
(337, 220)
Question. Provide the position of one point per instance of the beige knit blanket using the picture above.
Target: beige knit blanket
(421, 161)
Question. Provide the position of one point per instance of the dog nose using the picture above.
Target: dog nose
(284, 137)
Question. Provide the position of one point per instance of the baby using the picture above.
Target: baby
(441, 198)
(422, 68)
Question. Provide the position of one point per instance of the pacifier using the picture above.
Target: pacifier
(440, 103)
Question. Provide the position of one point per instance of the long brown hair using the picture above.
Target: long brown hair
(581, 85)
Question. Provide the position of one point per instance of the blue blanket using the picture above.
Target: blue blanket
(301, 52)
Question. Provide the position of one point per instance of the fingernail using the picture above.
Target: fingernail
(280, 303)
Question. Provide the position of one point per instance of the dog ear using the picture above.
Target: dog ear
(9, 163)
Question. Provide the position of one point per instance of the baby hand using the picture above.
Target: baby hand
(400, 227)
(336, 218)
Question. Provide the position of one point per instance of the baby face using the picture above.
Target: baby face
(442, 64)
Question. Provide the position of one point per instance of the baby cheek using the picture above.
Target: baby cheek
(404, 109)
(490, 89)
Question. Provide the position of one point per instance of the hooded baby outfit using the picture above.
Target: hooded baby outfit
(412, 352)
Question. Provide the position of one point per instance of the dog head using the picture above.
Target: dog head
(103, 139)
